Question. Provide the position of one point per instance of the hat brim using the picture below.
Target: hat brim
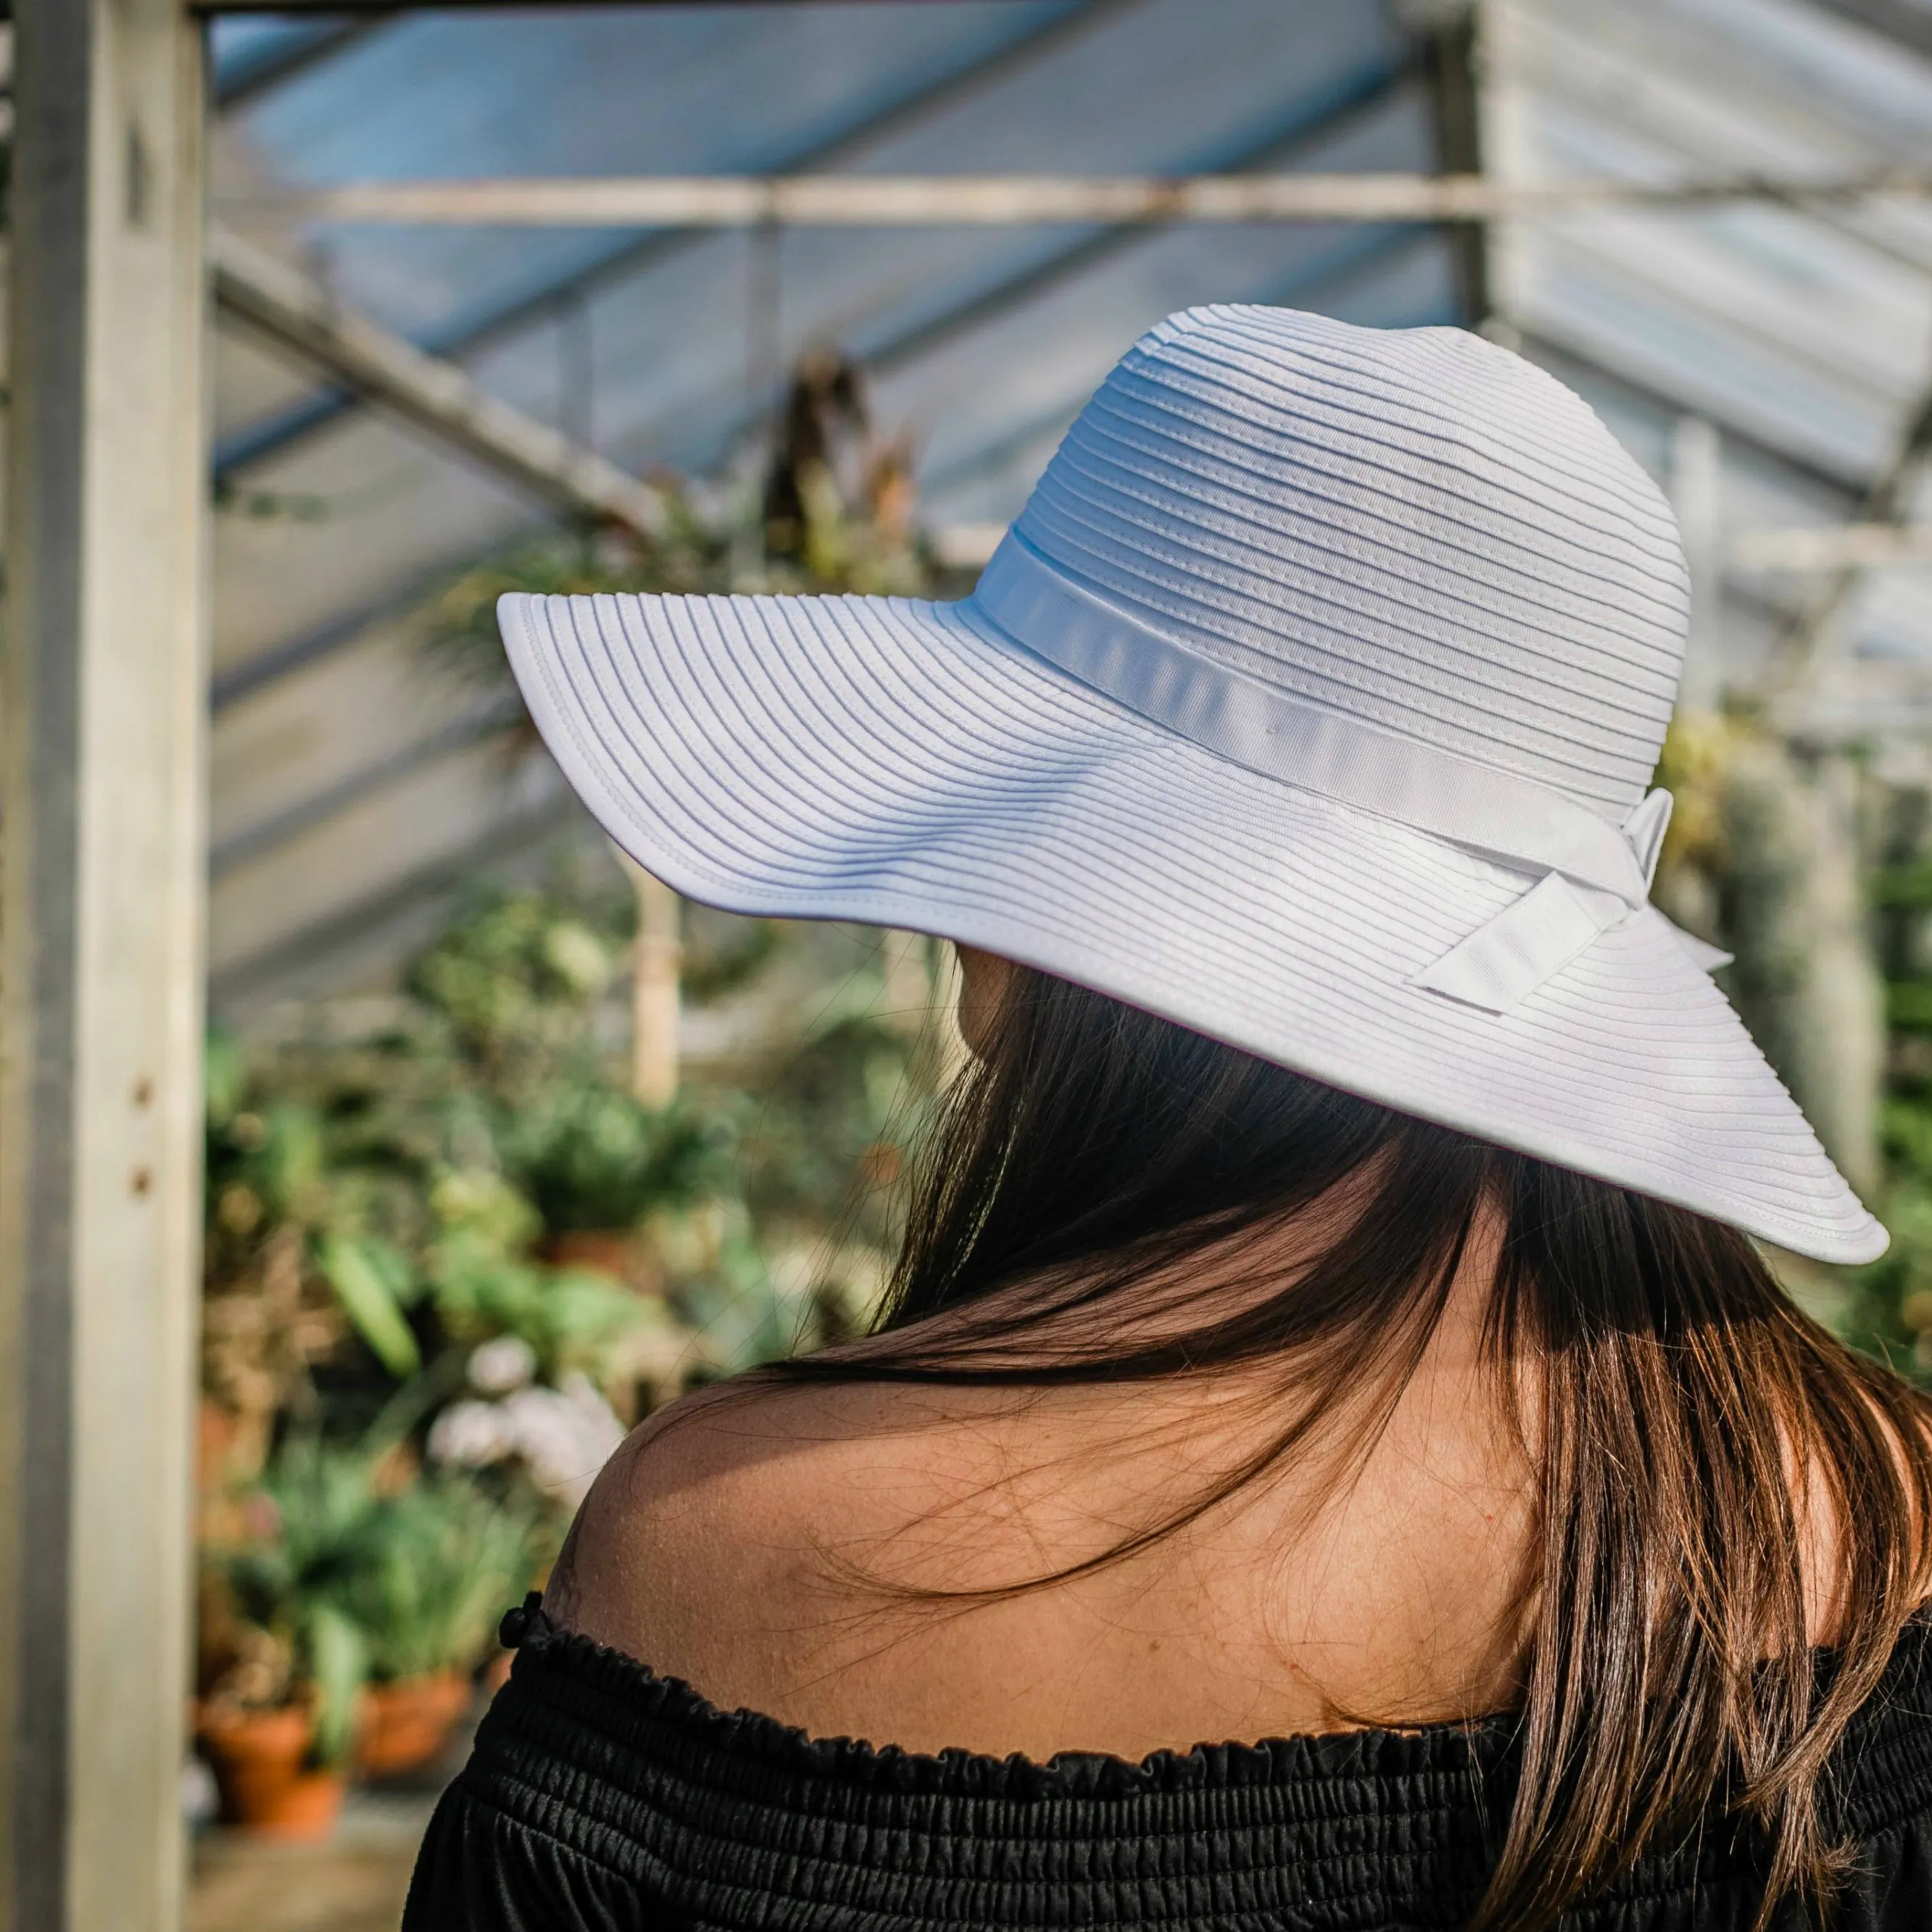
(903, 764)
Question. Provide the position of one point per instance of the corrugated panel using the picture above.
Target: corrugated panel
(1805, 335)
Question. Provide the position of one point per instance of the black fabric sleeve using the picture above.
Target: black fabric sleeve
(480, 1871)
(600, 1798)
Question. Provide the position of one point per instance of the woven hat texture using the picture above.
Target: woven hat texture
(1311, 702)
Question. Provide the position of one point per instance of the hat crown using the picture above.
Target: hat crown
(1413, 528)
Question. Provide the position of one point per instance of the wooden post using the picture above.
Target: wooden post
(953, 1053)
(1696, 493)
(1806, 978)
(920, 996)
(1501, 68)
(1450, 61)
(656, 964)
(906, 989)
(102, 837)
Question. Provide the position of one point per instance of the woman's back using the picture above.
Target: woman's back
(802, 1551)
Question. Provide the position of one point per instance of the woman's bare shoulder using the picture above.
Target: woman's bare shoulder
(704, 1538)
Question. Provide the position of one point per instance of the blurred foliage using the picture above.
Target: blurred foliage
(393, 1192)
(386, 1199)
(832, 512)
(344, 1565)
(1693, 766)
(1889, 1303)
(310, 1532)
(447, 1556)
(514, 983)
(1885, 1307)
(449, 1253)
(407, 1180)
(834, 1113)
(589, 1155)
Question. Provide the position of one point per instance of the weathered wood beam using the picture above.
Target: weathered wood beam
(298, 313)
(103, 693)
(888, 201)
(207, 7)
(1832, 546)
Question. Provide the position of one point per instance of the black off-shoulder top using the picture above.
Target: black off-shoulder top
(603, 1798)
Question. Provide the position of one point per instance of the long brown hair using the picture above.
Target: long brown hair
(1686, 1417)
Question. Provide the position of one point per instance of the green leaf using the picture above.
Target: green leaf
(393, 1266)
(362, 1283)
(1903, 886)
(339, 1655)
(1909, 1005)
(452, 1559)
(227, 1077)
(294, 1160)
(590, 1156)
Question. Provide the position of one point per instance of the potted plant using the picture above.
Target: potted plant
(278, 1721)
(448, 1558)
(594, 1161)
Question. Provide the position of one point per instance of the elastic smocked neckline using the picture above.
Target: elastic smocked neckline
(628, 1697)
(640, 1694)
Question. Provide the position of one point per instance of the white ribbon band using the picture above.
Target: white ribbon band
(1591, 873)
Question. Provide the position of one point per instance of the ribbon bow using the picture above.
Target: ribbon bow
(1590, 874)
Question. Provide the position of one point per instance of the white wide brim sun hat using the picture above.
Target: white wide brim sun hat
(1309, 703)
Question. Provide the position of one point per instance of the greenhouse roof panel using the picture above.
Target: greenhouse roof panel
(1805, 334)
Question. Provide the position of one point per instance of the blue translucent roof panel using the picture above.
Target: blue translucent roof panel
(698, 90)
(671, 356)
(243, 46)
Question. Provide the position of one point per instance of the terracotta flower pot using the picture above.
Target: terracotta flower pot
(258, 1760)
(406, 1722)
(607, 1251)
(307, 1810)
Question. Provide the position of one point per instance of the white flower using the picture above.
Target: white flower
(499, 1366)
(565, 1434)
(470, 1434)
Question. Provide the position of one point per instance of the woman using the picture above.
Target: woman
(1328, 1320)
